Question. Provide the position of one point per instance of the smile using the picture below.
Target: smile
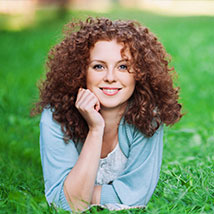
(110, 91)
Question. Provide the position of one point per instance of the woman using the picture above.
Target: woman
(107, 94)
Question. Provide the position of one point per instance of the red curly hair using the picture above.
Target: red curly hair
(154, 100)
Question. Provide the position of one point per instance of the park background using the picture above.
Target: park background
(28, 29)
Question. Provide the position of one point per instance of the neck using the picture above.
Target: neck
(112, 116)
(112, 119)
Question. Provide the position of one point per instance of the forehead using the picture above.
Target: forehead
(109, 49)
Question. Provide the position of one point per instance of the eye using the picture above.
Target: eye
(123, 67)
(98, 67)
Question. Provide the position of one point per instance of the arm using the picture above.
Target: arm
(79, 184)
(57, 159)
(61, 163)
(96, 195)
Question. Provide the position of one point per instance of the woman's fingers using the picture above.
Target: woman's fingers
(79, 94)
(87, 100)
(97, 106)
(88, 105)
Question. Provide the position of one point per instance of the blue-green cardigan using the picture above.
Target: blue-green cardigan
(133, 187)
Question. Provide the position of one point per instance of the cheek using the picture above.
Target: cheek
(130, 81)
(132, 84)
(92, 79)
(89, 78)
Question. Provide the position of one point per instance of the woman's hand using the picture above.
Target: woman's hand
(88, 105)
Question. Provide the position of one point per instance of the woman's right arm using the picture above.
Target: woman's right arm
(81, 174)
(79, 184)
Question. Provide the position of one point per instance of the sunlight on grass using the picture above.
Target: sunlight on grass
(16, 22)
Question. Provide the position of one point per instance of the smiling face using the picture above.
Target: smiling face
(108, 75)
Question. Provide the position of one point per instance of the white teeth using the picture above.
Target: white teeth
(110, 91)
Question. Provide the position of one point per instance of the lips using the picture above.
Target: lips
(110, 91)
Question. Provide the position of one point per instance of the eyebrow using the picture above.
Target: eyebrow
(97, 60)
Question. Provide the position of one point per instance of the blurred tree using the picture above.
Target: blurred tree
(61, 5)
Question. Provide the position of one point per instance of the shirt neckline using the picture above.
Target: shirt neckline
(111, 153)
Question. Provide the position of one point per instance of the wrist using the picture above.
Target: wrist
(96, 195)
(97, 130)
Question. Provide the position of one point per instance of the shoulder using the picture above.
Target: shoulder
(130, 132)
(49, 127)
(129, 135)
(47, 116)
(48, 120)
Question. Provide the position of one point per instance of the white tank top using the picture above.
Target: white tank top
(111, 166)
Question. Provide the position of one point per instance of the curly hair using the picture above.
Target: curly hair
(155, 99)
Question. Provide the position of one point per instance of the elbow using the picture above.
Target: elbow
(76, 199)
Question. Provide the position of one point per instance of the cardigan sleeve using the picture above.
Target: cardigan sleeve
(57, 159)
(137, 183)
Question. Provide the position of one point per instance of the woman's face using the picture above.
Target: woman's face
(108, 76)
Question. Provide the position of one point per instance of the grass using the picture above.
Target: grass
(186, 182)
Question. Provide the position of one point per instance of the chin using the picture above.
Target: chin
(113, 105)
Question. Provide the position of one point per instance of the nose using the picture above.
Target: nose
(110, 75)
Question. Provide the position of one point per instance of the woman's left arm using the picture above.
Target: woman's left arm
(137, 183)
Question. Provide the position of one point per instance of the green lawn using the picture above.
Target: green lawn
(186, 182)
